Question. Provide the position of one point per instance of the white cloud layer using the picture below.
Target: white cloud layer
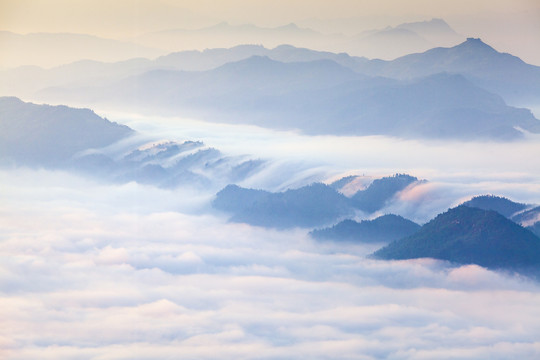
(97, 271)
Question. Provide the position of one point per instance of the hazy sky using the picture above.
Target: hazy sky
(508, 25)
(124, 17)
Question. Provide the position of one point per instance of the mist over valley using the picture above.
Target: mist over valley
(328, 188)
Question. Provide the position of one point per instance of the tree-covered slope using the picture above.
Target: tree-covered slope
(376, 195)
(467, 235)
(383, 229)
(499, 204)
(33, 134)
(308, 206)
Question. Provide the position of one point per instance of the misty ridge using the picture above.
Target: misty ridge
(456, 93)
(77, 140)
(60, 48)
(460, 92)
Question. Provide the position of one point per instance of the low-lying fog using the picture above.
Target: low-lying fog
(100, 271)
(457, 169)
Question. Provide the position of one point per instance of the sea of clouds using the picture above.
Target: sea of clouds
(92, 270)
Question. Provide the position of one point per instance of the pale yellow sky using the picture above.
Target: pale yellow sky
(508, 25)
(123, 18)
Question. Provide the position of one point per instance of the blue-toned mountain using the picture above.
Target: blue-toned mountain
(319, 97)
(383, 229)
(499, 204)
(313, 205)
(501, 73)
(60, 137)
(467, 235)
(33, 134)
(381, 191)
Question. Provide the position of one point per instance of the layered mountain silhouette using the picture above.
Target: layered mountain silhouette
(307, 206)
(467, 235)
(440, 93)
(383, 229)
(435, 30)
(502, 205)
(319, 97)
(226, 35)
(520, 213)
(33, 134)
(387, 43)
(380, 191)
(528, 217)
(26, 80)
(407, 38)
(315, 205)
(500, 73)
(59, 137)
(212, 58)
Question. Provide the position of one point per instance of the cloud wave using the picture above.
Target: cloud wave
(86, 273)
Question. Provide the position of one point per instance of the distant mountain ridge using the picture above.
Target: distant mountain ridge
(500, 73)
(387, 43)
(307, 206)
(41, 134)
(380, 191)
(315, 205)
(60, 137)
(407, 38)
(309, 90)
(227, 35)
(311, 95)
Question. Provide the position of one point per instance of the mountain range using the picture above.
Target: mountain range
(33, 134)
(311, 95)
(504, 74)
(393, 42)
(502, 205)
(381, 191)
(308, 206)
(441, 93)
(383, 229)
(523, 214)
(467, 235)
(314, 205)
(54, 49)
(387, 43)
(462, 235)
(485, 230)
(226, 35)
(59, 137)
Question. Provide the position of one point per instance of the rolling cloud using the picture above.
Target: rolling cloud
(128, 271)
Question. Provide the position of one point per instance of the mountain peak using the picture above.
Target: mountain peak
(471, 39)
(499, 204)
(475, 43)
(468, 235)
(428, 27)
